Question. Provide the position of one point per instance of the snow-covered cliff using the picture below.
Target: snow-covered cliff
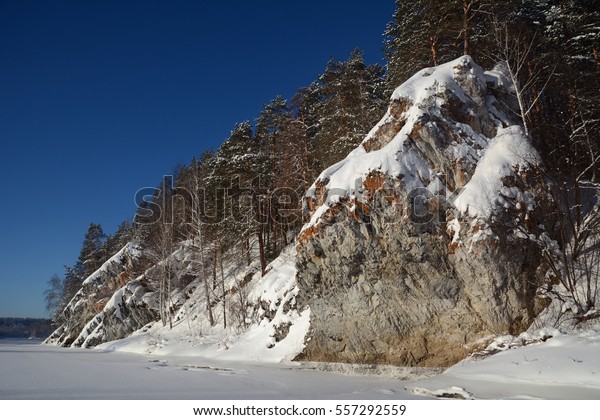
(417, 247)
(260, 313)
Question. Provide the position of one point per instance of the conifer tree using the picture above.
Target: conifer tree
(92, 253)
(573, 34)
(238, 164)
(423, 33)
(122, 235)
(351, 101)
(91, 257)
(271, 145)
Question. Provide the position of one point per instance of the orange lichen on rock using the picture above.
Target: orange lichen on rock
(385, 132)
(452, 247)
(374, 182)
(124, 278)
(319, 196)
(358, 209)
(399, 106)
(101, 304)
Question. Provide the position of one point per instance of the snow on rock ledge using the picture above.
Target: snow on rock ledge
(508, 155)
(99, 310)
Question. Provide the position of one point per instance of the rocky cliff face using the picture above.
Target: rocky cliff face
(112, 302)
(417, 248)
(120, 300)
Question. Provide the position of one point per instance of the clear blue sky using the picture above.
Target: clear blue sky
(100, 98)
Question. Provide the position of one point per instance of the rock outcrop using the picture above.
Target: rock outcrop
(417, 247)
(112, 302)
(120, 300)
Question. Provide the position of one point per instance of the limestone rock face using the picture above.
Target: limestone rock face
(418, 247)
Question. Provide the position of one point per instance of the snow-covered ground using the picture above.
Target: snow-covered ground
(33, 371)
(193, 360)
(562, 367)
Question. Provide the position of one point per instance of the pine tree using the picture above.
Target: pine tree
(351, 101)
(423, 33)
(299, 133)
(122, 235)
(271, 144)
(91, 257)
(573, 33)
(74, 277)
(92, 253)
(565, 117)
(239, 163)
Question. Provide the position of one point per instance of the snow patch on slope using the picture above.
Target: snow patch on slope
(398, 158)
(418, 87)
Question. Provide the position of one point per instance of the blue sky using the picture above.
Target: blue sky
(101, 98)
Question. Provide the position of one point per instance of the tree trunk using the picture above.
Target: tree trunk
(214, 285)
(434, 52)
(247, 250)
(223, 290)
(211, 319)
(259, 232)
(466, 41)
(519, 94)
(261, 251)
(274, 221)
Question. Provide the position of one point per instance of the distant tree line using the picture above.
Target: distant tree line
(25, 327)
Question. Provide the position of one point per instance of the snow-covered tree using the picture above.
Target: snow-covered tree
(351, 101)
(422, 33)
(92, 253)
(54, 296)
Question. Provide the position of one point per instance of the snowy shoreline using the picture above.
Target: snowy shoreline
(47, 372)
(565, 367)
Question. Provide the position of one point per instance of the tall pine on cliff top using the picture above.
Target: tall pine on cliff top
(351, 101)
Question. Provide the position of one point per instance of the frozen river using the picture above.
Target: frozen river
(29, 370)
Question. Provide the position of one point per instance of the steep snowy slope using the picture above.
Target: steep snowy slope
(97, 303)
(273, 329)
(259, 320)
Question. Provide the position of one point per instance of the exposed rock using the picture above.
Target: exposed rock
(397, 264)
(109, 305)
(261, 311)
